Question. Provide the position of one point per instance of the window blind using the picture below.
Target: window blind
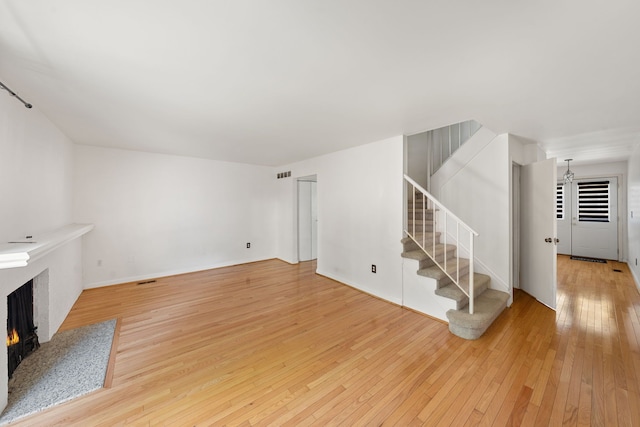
(593, 201)
(560, 201)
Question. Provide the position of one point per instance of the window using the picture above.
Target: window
(560, 201)
(593, 201)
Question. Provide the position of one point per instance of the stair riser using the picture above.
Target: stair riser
(419, 227)
(439, 258)
(409, 246)
(419, 215)
(420, 223)
(412, 246)
(460, 323)
(446, 280)
(465, 302)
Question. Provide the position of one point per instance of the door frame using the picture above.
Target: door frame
(314, 242)
(515, 226)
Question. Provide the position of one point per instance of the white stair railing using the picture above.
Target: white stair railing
(451, 227)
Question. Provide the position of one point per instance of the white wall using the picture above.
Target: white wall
(633, 202)
(479, 194)
(36, 193)
(159, 215)
(605, 170)
(359, 216)
(35, 172)
(460, 159)
(417, 150)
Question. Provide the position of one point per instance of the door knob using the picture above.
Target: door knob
(548, 240)
(556, 240)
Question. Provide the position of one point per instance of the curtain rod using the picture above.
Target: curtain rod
(12, 93)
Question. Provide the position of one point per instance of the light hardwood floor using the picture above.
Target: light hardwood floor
(274, 344)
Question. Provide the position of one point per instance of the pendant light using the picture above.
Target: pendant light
(568, 175)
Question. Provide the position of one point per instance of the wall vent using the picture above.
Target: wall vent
(284, 174)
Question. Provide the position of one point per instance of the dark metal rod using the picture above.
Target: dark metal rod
(26, 104)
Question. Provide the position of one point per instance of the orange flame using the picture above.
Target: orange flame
(13, 338)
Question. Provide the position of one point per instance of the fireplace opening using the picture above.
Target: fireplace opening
(22, 339)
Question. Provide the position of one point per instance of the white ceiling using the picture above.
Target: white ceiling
(272, 82)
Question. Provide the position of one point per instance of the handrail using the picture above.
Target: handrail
(430, 202)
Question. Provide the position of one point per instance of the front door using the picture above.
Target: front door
(594, 223)
(588, 218)
(538, 262)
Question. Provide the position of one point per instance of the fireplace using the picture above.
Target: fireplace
(22, 338)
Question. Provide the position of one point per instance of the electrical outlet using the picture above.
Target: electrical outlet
(373, 268)
(248, 245)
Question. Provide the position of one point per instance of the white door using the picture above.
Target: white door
(307, 220)
(538, 262)
(594, 220)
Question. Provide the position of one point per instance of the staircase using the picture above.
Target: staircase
(439, 260)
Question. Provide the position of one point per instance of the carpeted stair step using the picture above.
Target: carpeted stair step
(417, 254)
(487, 307)
(419, 213)
(419, 226)
(437, 273)
(408, 244)
(439, 254)
(451, 291)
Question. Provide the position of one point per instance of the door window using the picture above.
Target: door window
(560, 201)
(593, 201)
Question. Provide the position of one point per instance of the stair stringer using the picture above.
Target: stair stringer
(418, 292)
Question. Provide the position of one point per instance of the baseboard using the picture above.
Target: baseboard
(168, 273)
(635, 278)
(358, 287)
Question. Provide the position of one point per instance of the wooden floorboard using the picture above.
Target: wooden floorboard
(270, 343)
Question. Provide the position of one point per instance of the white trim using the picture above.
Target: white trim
(26, 251)
(502, 285)
(174, 272)
(397, 301)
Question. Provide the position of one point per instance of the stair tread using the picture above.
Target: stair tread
(428, 237)
(480, 284)
(487, 307)
(453, 292)
(440, 248)
(417, 254)
(436, 272)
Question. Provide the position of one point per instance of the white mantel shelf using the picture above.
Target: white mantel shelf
(25, 251)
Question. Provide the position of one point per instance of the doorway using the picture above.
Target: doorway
(307, 218)
(587, 217)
